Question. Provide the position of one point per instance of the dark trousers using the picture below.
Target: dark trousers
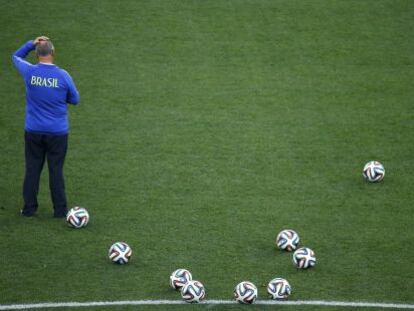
(39, 147)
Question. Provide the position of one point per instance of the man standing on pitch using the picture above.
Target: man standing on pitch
(49, 90)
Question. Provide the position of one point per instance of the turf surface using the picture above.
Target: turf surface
(204, 128)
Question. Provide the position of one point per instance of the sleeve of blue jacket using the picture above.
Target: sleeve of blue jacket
(73, 94)
(18, 58)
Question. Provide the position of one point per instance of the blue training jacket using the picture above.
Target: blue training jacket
(49, 90)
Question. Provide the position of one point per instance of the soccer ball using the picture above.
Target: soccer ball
(279, 289)
(245, 292)
(120, 253)
(287, 240)
(304, 258)
(179, 278)
(193, 292)
(373, 171)
(77, 217)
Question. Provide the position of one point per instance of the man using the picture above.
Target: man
(49, 90)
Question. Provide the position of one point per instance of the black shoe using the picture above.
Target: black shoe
(27, 213)
(60, 214)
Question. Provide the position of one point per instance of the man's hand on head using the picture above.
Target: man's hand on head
(39, 40)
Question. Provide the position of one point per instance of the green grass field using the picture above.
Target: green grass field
(206, 127)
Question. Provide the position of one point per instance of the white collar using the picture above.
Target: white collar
(49, 64)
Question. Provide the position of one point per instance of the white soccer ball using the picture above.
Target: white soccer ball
(193, 292)
(77, 217)
(287, 240)
(373, 171)
(245, 292)
(304, 258)
(120, 253)
(279, 289)
(179, 278)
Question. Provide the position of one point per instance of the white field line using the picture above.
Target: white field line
(207, 302)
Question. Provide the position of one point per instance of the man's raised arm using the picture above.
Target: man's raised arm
(18, 57)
